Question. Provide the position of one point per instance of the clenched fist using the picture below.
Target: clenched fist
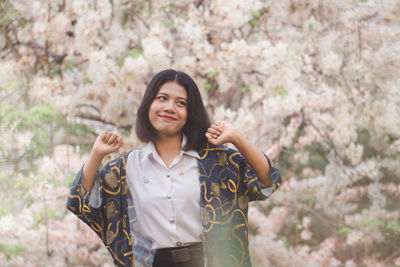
(107, 143)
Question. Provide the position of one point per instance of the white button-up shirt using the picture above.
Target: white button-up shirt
(167, 199)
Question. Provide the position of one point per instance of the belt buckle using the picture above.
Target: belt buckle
(180, 255)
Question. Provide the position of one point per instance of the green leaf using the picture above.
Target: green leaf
(126, 26)
(86, 80)
(28, 201)
(80, 130)
(285, 241)
(296, 58)
(38, 217)
(345, 230)
(55, 68)
(212, 74)
(317, 157)
(134, 53)
(168, 23)
(120, 61)
(13, 84)
(11, 251)
(32, 168)
(42, 114)
(208, 87)
(244, 89)
(281, 91)
(256, 14)
(363, 136)
(84, 148)
(5, 208)
(125, 132)
(253, 22)
(372, 223)
(124, 18)
(145, 11)
(9, 115)
(393, 225)
(6, 179)
(68, 64)
(7, 17)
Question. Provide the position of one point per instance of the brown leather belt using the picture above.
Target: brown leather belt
(181, 254)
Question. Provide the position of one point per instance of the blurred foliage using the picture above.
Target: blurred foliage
(134, 53)
(317, 157)
(280, 90)
(256, 19)
(40, 122)
(393, 225)
(11, 251)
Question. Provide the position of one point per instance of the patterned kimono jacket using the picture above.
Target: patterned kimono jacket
(227, 184)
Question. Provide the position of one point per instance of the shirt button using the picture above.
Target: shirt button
(171, 220)
(179, 244)
(169, 196)
(168, 175)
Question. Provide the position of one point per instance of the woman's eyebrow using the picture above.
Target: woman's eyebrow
(166, 94)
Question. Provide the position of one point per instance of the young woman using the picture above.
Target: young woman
(182, 200)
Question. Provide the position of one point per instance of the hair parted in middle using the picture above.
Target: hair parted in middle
(197, 121)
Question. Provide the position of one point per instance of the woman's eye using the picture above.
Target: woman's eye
(161, 97)
(181, 103)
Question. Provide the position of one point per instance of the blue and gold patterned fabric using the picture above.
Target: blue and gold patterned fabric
(227, 184)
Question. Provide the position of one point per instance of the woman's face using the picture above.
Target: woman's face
(168, 111)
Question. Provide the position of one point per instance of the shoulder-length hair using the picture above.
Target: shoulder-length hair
(197, 121)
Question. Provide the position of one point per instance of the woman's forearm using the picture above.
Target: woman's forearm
(90, 170)
(255, 158)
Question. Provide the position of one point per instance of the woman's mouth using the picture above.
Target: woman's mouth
(169, 118)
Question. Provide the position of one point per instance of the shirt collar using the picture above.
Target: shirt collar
(150, 149)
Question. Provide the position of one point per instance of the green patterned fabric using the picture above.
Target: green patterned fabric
(227, 184)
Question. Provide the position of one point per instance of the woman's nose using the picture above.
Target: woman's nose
(169, 105)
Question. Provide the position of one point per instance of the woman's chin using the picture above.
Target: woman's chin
(169, 133)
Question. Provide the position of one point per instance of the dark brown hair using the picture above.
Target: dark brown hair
(197, 121)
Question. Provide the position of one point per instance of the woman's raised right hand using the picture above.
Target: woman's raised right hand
(107, 143)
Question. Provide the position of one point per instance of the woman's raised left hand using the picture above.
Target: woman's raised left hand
(220, 133)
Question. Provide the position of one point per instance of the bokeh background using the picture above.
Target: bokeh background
(315, 84)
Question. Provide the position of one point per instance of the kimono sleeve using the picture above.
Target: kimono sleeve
(85, 205)
(250, 178)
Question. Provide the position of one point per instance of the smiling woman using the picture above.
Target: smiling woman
(182, 200)
(197, 120)
(168, 113)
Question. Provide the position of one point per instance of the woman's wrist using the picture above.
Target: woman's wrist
(237, 138)
(97, 155)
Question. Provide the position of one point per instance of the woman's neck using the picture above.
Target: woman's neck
(168, 147)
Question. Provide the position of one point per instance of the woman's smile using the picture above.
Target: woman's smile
(167, 118)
